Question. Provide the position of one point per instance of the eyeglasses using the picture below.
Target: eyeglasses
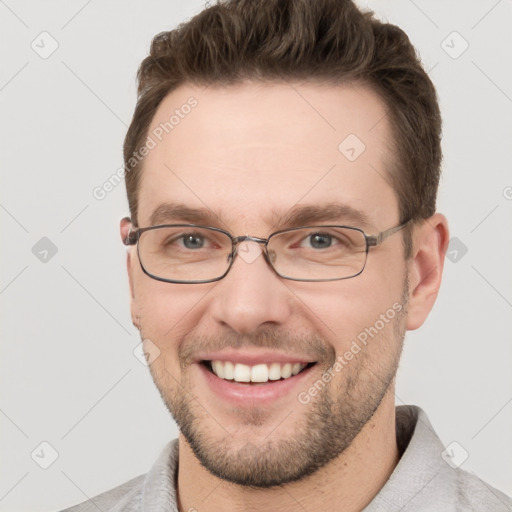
(188, 253)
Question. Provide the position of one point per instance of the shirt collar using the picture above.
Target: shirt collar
(422, 480)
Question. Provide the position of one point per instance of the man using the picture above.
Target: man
(282, 167)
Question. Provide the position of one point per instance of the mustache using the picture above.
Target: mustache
(296, 344)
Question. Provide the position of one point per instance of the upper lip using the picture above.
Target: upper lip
(252, 358)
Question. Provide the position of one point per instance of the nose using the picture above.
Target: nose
(252, 294)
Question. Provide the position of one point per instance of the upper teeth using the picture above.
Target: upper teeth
(257, 373)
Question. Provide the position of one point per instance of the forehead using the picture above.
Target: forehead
(253, 151)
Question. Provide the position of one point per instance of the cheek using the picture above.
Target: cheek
(342, 311)
(168, 311)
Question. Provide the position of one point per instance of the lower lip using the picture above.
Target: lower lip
(251, 394)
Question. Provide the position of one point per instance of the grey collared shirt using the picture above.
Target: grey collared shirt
(425, 479)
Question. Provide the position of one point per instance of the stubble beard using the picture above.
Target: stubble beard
(327, 427)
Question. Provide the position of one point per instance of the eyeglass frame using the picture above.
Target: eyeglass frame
(133, 238)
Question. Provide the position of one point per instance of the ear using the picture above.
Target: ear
(125, 226)
(430, 241)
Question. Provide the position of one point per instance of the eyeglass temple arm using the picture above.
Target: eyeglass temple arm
(374, 240)
(132, 237)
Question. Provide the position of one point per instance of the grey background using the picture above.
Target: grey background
(68, 373)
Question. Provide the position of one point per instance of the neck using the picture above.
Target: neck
(349, 482)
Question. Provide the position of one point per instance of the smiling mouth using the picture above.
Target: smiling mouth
(258, 373)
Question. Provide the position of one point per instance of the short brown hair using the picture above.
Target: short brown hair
(326, 41)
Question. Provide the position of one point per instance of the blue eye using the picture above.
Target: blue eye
(320, 240)
(191, 241)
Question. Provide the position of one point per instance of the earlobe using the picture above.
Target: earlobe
(129, 271)
(430, 241)
(125, 226)
(124, 230)
(133, 299)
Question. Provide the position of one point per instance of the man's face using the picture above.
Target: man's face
(246, 156)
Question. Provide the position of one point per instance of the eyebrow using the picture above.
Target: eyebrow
(168, 212)
(330, 213)
(299, 215)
